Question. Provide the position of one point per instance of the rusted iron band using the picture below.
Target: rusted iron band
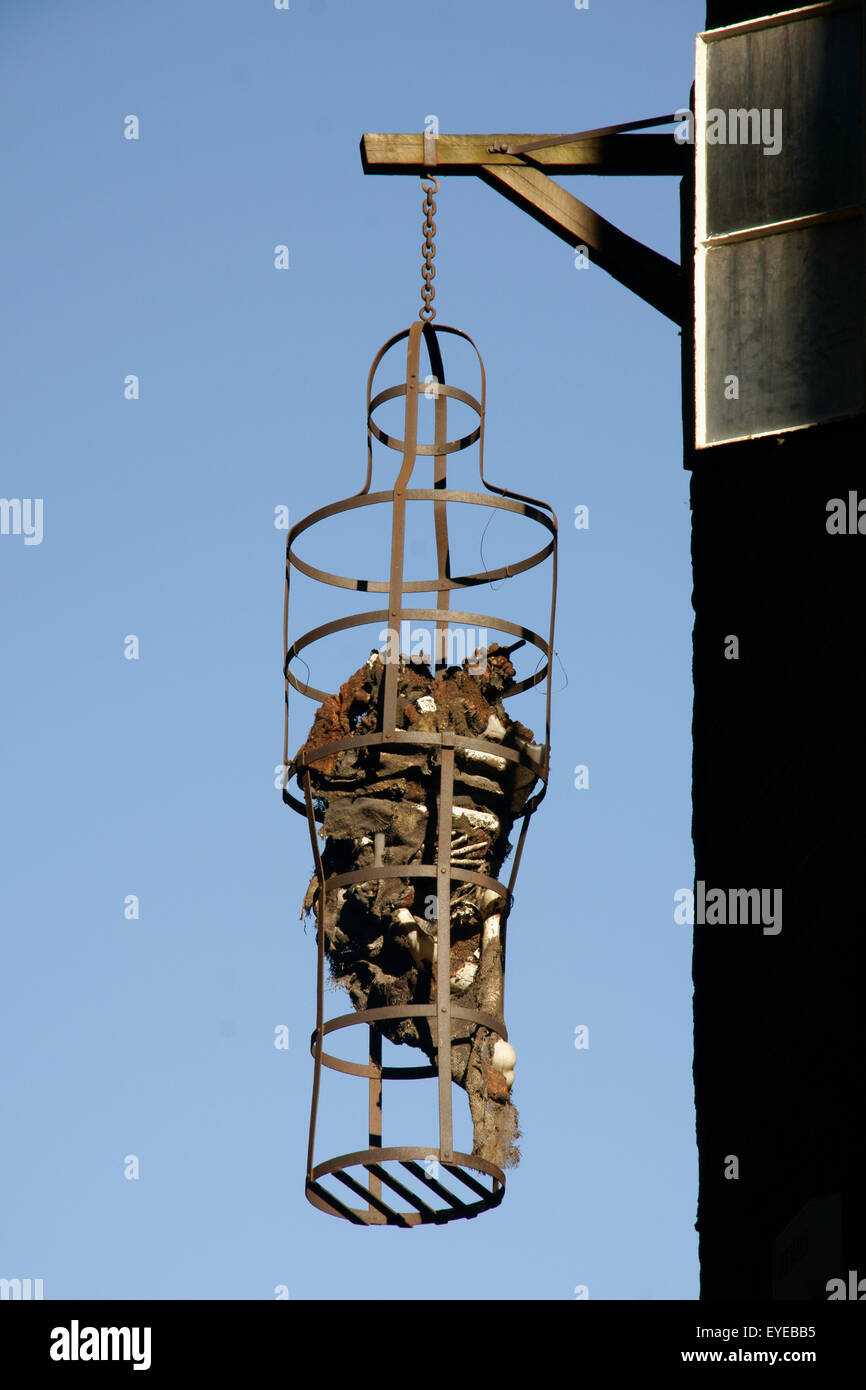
(450, 616)
(460, 496)
(404, 1155)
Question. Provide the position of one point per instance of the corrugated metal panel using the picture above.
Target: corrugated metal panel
(780, 298)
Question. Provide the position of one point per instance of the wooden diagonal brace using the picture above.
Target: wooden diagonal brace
(638, 267)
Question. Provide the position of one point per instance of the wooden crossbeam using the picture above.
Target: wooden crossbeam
(463, 154)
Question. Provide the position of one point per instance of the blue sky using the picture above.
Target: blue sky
(155, 777)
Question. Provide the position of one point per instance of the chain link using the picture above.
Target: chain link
(428, 270)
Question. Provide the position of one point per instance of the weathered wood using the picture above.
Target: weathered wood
(646, 272)
(463, 154)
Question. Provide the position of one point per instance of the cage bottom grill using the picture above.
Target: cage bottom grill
(405, 1187)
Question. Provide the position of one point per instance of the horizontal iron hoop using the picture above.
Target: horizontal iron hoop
(395, 1073)
(496, 1025)
(458, 1160)
(364, 1069)
(432, 739)
(449, 616)
(451, 446)
(418, 586)
(375, 871)
(402, 737)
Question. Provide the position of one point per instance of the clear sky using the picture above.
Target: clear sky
(153, 1036)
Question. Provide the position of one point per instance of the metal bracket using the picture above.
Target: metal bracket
(515, 165)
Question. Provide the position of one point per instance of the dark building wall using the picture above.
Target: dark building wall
(779, 781)
(778, 788)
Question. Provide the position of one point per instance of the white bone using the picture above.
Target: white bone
(490, 758)
(483, 819)
(491, 928)
(504, 1057)
(424, 949)
(465, 975)
(495, 728)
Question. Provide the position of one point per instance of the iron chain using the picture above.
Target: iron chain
(428, 270)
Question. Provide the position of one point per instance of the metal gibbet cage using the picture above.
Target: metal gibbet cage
(407, 1186)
